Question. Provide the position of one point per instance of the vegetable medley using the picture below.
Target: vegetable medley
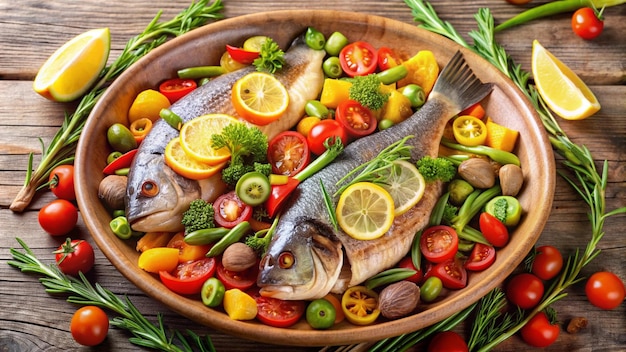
(366, 89)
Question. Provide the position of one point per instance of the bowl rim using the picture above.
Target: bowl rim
(294, 336)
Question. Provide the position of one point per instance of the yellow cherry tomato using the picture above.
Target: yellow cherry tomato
(360, 305)
(469, 130)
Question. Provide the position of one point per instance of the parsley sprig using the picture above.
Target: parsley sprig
(271, 57)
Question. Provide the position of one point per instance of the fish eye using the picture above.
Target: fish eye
(149, 189)
(286, 260)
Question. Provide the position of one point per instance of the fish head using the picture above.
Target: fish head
(303, 261)
(156, 196)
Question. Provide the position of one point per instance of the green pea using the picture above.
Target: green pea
(314, 39)
(118, 212)
(431, 288)
(212, 292)
(415, 93)
(317, 109)
(120, 138)
(201, 72)
(121, 228)
(332, 67)
(393, 74)
(335, 43)
(114, 155)
(385, 124)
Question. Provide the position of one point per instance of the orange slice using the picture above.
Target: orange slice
(259, 98)
(182, 164)
(195, 138)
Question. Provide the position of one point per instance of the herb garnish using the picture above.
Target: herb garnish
(271, 57)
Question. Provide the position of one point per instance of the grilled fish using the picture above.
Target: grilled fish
(307, 258)
(156, 197)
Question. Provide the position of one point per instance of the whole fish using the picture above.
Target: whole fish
(156, 196)
(307, 258)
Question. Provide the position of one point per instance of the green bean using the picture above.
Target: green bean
(171, 118)
(335, 43)
(437, 213)
(416, 252)
(234, 235)
(496, 155)
(393, 74)
(469, 233)
(316, 108)
(415, 93)
(123, 171)
(203, 81)
(201, 72)
(389, 276)
(206, 236)
(332, 67)
(121, 228)
(314, 39)
(465, 245)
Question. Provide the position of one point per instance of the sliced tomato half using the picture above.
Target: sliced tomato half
(358, 59)
(481, 258)
(387, 58)
(356, 119)
(452, 274)
(288, 153)
(176, 88)
(277, 312)
(439, 243)
(230, 210)
(242, 280)
(188, 278)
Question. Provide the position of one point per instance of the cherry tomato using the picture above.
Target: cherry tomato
(277, 312)
(62, 182)
(58, 217)
(242, 280)
(493, 229)
(241, 55)
(74, 256)
(357, 120)
(89, 326)
(121, 162)
(547, 262)
(188, 278)
(387, 58)
(288, 153)
(407, 263)
(358, 59)
(439, 243)
(323, 130)
(481, 258)
(524, 290)
(469, 131)
(605, 290)
(360, 305)
(176, 88)
(587, 23)
(230, 210)
(447, 341)
(452, 273)
(539, 331)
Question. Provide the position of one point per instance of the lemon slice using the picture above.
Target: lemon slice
(74, 67)
(259, 98)
(182, 164)
(365, 211)
(405, 185)
(195, 138)
(562, 90)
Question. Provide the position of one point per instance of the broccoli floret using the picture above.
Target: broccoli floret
(449, 212)
(247, 146)
(264, 168)
(366, 90)
(199, 216)
(233, 172)
(500, 207)
(434, 169)
(259, 241)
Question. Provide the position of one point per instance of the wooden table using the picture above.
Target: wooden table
(32, 320)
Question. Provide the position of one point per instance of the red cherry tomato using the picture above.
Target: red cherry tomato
(89, 326)
(278, 312)
(439, 243)
(547, 262)
(241, 55)
(586, 23)
(74, 256)
(187, 278)
(605, 290)
(62, 182)
(123, 161)
(357, 120)
(323, 130)
(387, 58)
(447, 341)
(242, 280)
(539, 331)
(452, 273)
(481, 258)
(176, 88)
(230, 210)
(407, 263)
(358, 59)
(493, 229)
(58, 217)
(524, 290)
(288, 153)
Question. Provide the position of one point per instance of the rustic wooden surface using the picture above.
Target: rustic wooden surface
(32, 320)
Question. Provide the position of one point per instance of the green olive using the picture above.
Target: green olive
(459, 190)
(431, 288)
(120, 138)
(385, 124)
(415, 94)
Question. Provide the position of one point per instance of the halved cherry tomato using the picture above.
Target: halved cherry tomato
(481, 258)
(124, 161)
(187, 252)
(288, 153)
(452, 273)
(188, 278)
(360, 305)
(358, 59)
(323, 130)
(493, 229)
(177, 88)
(469, 131)
(439, 243)
(242, 280)
(387, 58)
(241, 55)
(407, 263)
(357, 120)
(230, 210)
(277, 312)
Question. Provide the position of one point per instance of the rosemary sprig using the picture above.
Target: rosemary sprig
(82, 292)
(63, 145)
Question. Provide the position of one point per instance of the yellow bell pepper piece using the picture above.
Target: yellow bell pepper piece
(158, 259)
(423, 71)
(500, 137)
(334, 92)
(239, 305)
(397, 108)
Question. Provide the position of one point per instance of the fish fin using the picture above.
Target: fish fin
(459, 84)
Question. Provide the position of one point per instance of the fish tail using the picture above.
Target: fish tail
(458, 83)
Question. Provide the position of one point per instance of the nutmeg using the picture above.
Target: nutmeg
(112, 190)
(398, 299)
(238, 257)
(511, 179)
(478, 172)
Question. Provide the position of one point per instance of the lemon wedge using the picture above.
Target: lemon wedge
(74, 67)
(562, 90)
